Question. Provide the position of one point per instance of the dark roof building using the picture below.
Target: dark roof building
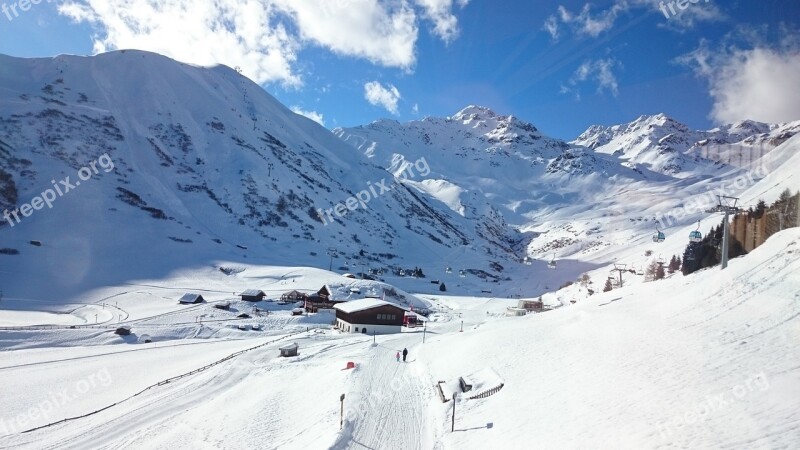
(188, 299)
(253, 295)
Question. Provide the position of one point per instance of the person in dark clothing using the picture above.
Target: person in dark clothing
(405, 353)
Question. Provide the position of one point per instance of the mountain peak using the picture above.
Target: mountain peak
(475, 112)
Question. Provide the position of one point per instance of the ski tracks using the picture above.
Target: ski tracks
(391, 411)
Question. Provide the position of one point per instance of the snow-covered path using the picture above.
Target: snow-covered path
(389, 405)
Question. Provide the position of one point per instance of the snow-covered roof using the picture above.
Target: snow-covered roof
(362, 305)
(190, 298)
(291, 346)
(253, 292)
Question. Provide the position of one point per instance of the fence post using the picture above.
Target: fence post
(453, 424)
(341, 412)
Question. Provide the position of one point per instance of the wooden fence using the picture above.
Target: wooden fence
(487, 393)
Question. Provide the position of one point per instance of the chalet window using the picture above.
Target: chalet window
(356, 329)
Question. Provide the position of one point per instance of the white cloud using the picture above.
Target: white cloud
(313, 115)
(592, 24)
(415, 109)
(440, 13)
(265, 37)
(236, 33)
(364, 28)
(601, 71)
(551, 26)
(758, 84)
(378, 95)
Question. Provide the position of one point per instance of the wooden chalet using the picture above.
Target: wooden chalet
(322, 299)
(253, 295)
(294, 296)
(189, 299)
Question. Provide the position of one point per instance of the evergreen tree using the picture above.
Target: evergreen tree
(650, 274)
(442, 287)
(659, 275)
(761, 207)
(608, 286)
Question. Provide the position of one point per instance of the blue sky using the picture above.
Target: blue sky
(561, 65)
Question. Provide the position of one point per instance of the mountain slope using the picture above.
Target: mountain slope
(201, 163)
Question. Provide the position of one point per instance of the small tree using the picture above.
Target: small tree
(650, 274)
(608, 286)
(659, 275)
(442, 287)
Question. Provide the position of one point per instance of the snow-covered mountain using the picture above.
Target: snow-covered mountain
(496, 167)
(198, 164)
(662, 144)
(207, 168)
(595, 199)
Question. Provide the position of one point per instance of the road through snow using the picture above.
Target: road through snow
(388, 404)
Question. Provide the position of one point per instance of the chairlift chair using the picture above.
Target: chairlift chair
(448, 269)
(659, 236)
(528, 261)
(462, 273)
(552, 263)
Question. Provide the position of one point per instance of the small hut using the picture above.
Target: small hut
(189, 299)
(253, 295)
(289, 350)
(123, 331)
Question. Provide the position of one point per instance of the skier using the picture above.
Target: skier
(397, 356)
(405, 353)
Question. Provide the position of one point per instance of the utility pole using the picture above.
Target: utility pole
(330, 264)
(728, 208)
(424, 329)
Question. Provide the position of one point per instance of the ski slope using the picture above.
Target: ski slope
(704, 361)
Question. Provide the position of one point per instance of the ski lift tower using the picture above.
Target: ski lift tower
(620, 268)
(727, 205)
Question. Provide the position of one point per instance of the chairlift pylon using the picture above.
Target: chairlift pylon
(552, 264)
